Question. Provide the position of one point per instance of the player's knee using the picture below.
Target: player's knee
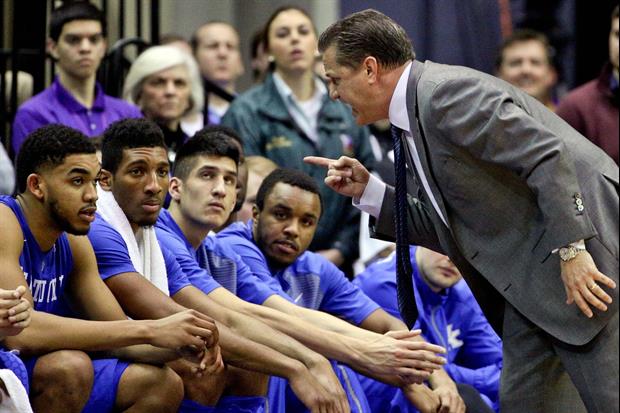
(205, 390)
(247, 383)
(171, 386)
(156, 389)
(67, 372)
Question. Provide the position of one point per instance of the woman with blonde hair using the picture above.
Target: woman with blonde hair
(165, 84)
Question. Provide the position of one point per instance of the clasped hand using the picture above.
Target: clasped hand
(15, 311)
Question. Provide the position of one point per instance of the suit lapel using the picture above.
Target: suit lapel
(420, 144)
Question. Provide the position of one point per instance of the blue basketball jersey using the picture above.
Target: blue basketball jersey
(46, 272)
(212, 265)
(113, 256)
(311, 281)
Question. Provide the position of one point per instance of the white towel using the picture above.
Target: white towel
(144, 249)
(17, 400)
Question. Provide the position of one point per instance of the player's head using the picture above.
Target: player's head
(287, 212)
(136, 168)
(58, 167)
(204, 185)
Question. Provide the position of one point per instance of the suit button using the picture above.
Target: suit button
(579, 202)
(580, 208)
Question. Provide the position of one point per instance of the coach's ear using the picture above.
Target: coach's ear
(371, 68)
(105, 180)
(174, 188)
(35, 184)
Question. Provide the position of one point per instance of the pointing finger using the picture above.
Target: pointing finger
(318, 161)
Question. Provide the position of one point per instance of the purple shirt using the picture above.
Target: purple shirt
(56, 105)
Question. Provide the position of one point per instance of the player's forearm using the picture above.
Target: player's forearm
(329, 344)
(225, 312)
(254, 329)
(334, 324)
(48, 332)
(144, 353)
(246, 354)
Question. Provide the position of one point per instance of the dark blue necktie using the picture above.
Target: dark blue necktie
(404, 283)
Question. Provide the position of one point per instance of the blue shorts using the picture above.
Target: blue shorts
(108, 374)
(276, 400)
(241, 404)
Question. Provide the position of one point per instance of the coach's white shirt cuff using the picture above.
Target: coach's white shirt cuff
(372, 198)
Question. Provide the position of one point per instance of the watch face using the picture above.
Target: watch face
(566, 253)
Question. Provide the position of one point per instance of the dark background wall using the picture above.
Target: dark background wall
(467, 32)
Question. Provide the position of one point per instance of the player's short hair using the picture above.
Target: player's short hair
(128, 134)
(47, 147)
(209, 141)
(287, 176)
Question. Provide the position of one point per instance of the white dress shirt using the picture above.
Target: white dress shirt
(306, 113)
(373, 195)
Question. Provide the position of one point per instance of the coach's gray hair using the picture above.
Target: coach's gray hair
(156, 59)
(368, 33)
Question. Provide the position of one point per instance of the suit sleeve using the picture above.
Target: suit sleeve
(502, 133)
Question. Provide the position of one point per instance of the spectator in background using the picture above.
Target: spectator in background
(258, 168)
(525, 60)
(592, 109)
(259, 57)
(448, 316)
(216, 48)
(291, 115)
(77, 44)
(164, 82)
(7, 173)
(176, 40)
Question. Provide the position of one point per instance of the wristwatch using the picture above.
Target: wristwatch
(569, 252)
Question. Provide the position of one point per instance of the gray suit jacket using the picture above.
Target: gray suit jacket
(507, 173)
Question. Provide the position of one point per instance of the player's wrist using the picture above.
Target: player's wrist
(145, 332)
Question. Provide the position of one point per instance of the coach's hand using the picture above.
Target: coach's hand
(347, 176)
(584, 284)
